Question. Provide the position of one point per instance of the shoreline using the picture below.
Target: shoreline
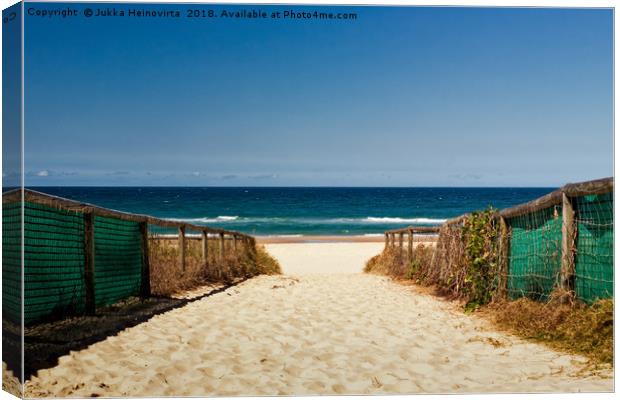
(291, 238)
(378, 238)
(300, 238)
(319, 239)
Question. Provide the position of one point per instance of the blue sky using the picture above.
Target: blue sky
(402, 96)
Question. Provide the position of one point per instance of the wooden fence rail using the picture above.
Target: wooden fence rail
(409, 232)
(90, 211)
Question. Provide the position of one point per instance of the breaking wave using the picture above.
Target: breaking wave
(222, 219)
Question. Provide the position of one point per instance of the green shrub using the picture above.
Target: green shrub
(480, 233)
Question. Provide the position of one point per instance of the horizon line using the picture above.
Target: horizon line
(287, 187)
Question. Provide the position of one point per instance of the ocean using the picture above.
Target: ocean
(301, 211)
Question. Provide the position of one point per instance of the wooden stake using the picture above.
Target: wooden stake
(400, 242)
(89, 262)
(145, 284)
(387, 240)
(410, 247)
(251, 247)
(182, 247)
(205, 248)
(222, 248)
(567, 272)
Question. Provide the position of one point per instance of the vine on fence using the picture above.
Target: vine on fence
(480, 233)
(464, 264)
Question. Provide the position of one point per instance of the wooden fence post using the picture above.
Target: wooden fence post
(410, 247)
(182, 247)
(145, 284)
(205, 248)
(89, 262)
(400, 242)
(567, 273)
(245, 245)
(251, 242)
(387, 240)
(234, 242)
(222, 248)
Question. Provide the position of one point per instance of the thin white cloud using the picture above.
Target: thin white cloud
(43, 173)
(265, 176)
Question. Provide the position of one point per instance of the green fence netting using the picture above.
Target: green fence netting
(118, 259)
(594, 257)
(535, 254)
(53, 262)
(11, 261)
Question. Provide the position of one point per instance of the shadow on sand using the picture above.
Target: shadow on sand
(45, 343)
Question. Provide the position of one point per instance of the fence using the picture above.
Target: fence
(412, 234)
(78, 256)
(561, 240)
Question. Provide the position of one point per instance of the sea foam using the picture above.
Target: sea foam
(309, 220)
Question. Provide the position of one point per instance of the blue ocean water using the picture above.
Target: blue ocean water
(301, 211)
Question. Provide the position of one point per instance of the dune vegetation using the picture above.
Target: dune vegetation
(168, 277)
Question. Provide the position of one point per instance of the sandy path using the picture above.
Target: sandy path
(313, 334)
(334, 258)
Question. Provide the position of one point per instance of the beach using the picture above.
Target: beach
(307, 199)
(322, 327)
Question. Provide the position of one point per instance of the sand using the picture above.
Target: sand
(334, 258)
(322, 328)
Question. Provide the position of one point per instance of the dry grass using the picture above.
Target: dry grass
(571, 327)
(449, 266)
(389, 262)
(265, 263)
(393, 263)
(443, 266)
(167, 276)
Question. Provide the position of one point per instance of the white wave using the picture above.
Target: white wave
(176, 235)
(283, 236)
(227, 218)
(398, 220)
(206, 220)
(373, 234)
(302, 220)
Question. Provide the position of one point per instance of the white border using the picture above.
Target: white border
(471, 3)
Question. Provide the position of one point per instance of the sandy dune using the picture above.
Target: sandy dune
(313, 334)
